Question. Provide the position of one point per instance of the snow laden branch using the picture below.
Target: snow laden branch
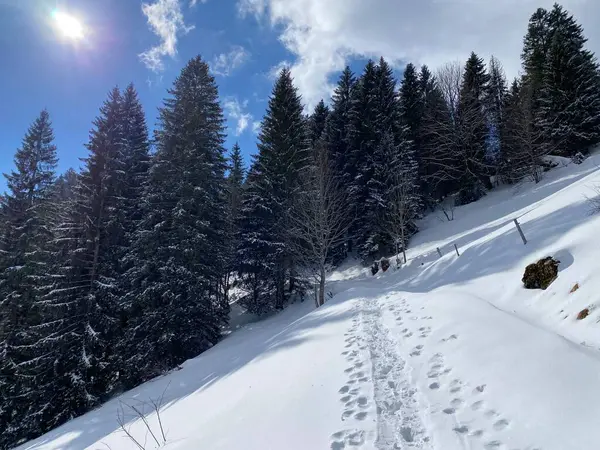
(319, 221)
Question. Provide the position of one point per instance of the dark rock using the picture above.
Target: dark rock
(541, 274)
(375, 268)
(583, 314)
(385, 264)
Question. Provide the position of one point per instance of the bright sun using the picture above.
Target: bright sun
(68, 25)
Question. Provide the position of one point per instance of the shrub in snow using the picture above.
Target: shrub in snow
(385, 264)
(375, 268)
(574, 288)
(541, 274)
(583, 314)
(578, 158)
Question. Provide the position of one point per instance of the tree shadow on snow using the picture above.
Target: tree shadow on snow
(255, 341)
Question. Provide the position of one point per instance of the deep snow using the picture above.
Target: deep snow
(443, 353)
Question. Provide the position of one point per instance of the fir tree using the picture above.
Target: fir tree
(177, 298)
(26, 213)
(273, 182)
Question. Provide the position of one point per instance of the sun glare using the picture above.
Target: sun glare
(68, 25)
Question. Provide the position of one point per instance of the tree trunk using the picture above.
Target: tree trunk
(322, 287)
(403, 245)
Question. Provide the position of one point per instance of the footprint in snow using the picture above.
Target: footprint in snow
(501, 424)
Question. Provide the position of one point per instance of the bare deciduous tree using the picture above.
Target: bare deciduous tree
(401, 210)
(449, 78)
(319, 222)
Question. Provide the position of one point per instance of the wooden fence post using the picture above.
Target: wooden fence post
(520, 232)
(456, 248)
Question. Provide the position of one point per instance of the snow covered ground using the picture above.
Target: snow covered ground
(443, 353)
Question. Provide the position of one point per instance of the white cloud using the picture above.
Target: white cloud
(166, 21)
(237, 112)
(324, 35)
(256, 126)
(195, 2)
(226, 63)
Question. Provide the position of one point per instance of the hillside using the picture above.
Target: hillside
(443, 353)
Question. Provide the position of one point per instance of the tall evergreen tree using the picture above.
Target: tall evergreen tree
(474, 131)
(318, 122)
(82, 298)
(412, 100)
(536, 45)
(339, 126)
(364, 138)
(273, 182)
(235, 179)
(235, 186)
(495, 106)
(569, 97)
(26, 213)
(338, 141)
(177, 298)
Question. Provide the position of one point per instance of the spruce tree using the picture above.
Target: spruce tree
(273, 182)
(235, 186)
(495, 106)
(475, 165)
(339, 126)
(318, 122)
(81, 295)
(411, 101)
(536, 45)
(569, 96)
(376, 113)
(177, 295)
(364, 138)
(337, 139)
(26, 212)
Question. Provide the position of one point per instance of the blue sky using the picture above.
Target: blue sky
(148, 42)
(71, 79)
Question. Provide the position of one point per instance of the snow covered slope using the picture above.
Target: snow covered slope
(443, 353)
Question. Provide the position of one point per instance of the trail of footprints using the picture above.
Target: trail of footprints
(463, 397)
(439, 378)
(354, 403)
(438, 374)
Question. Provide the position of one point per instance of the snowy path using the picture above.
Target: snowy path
(474, 377)
(399, 422)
